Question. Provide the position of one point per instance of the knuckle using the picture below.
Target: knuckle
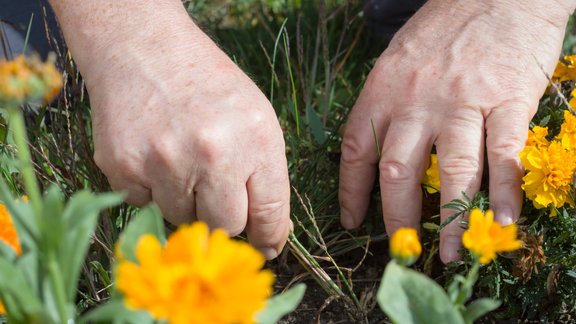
(507, 149)
(211, 146)
(269, 213)
(463, 168)
(394, 172)
(354, 151)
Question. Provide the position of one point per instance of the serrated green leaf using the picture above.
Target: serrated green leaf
(281, 305)
(149, 220)
(479, 308)
(409, 297)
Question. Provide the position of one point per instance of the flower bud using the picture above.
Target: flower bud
(405, 247)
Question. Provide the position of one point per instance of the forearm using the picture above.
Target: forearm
(105, 29)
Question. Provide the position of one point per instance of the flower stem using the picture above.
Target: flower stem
(468, 285)
(25, 159)
(58, 286)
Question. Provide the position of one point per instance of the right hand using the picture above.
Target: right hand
(184, 127)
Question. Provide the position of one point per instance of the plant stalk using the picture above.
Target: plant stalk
(25, 159)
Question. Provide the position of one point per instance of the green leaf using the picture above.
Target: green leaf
(115, 312)
(53, 227)
(81, 215)
(13, 284)
(148, 221)
(281, 305)
(316, 125)
(407, 296)
(23, 217)
(102, 273)
(479, 308)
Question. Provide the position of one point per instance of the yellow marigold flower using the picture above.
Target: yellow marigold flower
(405, 247)
(565, 70)
(8, 234)
(431, 180)
(537, 137)
(2, 309)
(28, 80)
(197, 277)
(485, 237)
(549, 177)
(567, 133)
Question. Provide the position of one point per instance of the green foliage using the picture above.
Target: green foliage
(282, 304)
(408, 296)
(54, 245)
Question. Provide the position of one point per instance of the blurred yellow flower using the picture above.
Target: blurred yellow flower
(484, 237)
(431, 180)
(28, 80)
(405, 246)
(550, 171)
(537, 137)
(565, 69)
(8, 234)
(567, 133)
(197, 277)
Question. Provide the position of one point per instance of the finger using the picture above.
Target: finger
(222, 202)
(460, 149)
(359, 160)
(136, 194)
(506, 133)
(123, 177)
(405, 156)
(269, 209)
(176, 201)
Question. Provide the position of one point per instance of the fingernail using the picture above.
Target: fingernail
(504, 216)
(449, 250)
(269, 253)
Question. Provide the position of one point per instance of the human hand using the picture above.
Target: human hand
(460, 75)
(176, 122)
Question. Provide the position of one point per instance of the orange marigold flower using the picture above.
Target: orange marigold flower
(537, 137)
(565, 69)
(8, 234)
(431, 180)
(197, 277)
(2, 309)
(405, 247)
(28, 80)
(485, 237)
(567, 133)
(550, 171)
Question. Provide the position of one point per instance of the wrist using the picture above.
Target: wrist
(107, 36)
(553, 12)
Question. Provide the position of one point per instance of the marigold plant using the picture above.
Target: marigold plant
(431, 180)
(197, 277)
(485, 237)
(405, 246)
(550, 169)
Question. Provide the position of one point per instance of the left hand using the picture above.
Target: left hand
(460, 75)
